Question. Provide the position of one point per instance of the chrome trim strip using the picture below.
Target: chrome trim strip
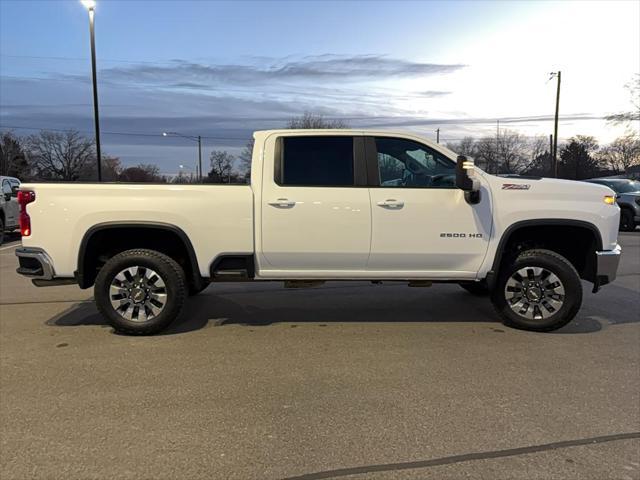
(607, 263)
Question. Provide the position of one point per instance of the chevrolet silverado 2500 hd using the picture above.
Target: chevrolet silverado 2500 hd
(326, 205)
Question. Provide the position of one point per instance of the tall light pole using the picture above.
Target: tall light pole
(558, 75)
(195, 139)
(91, 5)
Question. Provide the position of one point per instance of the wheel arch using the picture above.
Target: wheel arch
(511, 233)
(85, 276)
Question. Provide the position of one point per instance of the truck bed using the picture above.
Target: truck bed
(216, 218)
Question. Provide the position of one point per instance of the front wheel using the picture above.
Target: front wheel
(539, 290)
(140, 292)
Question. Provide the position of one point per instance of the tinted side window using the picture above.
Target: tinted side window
(405, 163)
(317, 161)
(6, 187)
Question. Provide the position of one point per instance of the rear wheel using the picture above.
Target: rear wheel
(539, 290)
(140, 292)
(626, 221)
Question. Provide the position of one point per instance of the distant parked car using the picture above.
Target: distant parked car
(9, 210)
(628, 198)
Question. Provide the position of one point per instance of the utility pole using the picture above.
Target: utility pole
(558, 75)
(200, 158)
(551, 152)
(438, 135)
(90, 4)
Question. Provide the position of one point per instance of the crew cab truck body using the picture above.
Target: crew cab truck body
(326, 205)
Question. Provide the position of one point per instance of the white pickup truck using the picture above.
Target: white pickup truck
(326, 205)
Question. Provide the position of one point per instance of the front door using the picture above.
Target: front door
(420, 221)
(315, 216)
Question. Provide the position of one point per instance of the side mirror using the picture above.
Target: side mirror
(7, 197)
(465, 181)
(14, 190)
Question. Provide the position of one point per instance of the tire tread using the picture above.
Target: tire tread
(177, 273)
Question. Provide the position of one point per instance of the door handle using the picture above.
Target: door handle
(391, 203)
(283, 203)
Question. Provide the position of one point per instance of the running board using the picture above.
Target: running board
(303, 283)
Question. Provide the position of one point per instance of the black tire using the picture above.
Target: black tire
(626, 221)
(552, 314)
(476, 288)
(1, 230)
(174, 289)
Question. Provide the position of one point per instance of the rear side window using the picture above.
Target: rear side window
(316, 161)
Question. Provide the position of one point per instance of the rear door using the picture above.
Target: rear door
(315, 205)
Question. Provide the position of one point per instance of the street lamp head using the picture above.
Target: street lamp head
(89, 4)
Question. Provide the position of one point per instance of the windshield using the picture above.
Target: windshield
(625, 187)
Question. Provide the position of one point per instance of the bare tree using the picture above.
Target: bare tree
(245, 160)
(60, 156)
(539, 161)
(141, 173)
(221, 166)
(512, 152)
(111, 170)
(632, 115)
(466, 146)
(485, 154)
(312, 120)
(13, 159)
(622, 153)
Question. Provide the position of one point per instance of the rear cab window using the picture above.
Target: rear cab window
(320, 160)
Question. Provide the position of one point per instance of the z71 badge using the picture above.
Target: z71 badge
(516, 186)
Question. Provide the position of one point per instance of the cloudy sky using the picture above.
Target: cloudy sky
(223, 69)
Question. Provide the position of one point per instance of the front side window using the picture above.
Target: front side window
(6, 188)
(317, 161)
(405, 163)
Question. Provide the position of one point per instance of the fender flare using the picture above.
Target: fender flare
(542, 222)
(193, 261)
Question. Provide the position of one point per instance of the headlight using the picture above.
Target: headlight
(610, 199)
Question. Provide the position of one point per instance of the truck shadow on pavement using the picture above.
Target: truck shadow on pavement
(256, 306)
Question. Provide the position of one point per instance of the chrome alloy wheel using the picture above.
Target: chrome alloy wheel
(534, 293)
(138, 294)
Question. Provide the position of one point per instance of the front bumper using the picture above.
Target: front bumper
(607, 266)
(35, 264)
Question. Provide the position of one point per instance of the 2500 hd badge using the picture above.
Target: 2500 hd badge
(461, 235)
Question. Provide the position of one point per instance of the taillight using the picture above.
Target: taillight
(25, 197)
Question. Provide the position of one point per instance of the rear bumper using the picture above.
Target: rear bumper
(35, 264)
(607, 266)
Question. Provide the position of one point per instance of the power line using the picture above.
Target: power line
(83, 59)
(128, 134)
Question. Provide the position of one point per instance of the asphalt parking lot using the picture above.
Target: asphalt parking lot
(344, 381)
